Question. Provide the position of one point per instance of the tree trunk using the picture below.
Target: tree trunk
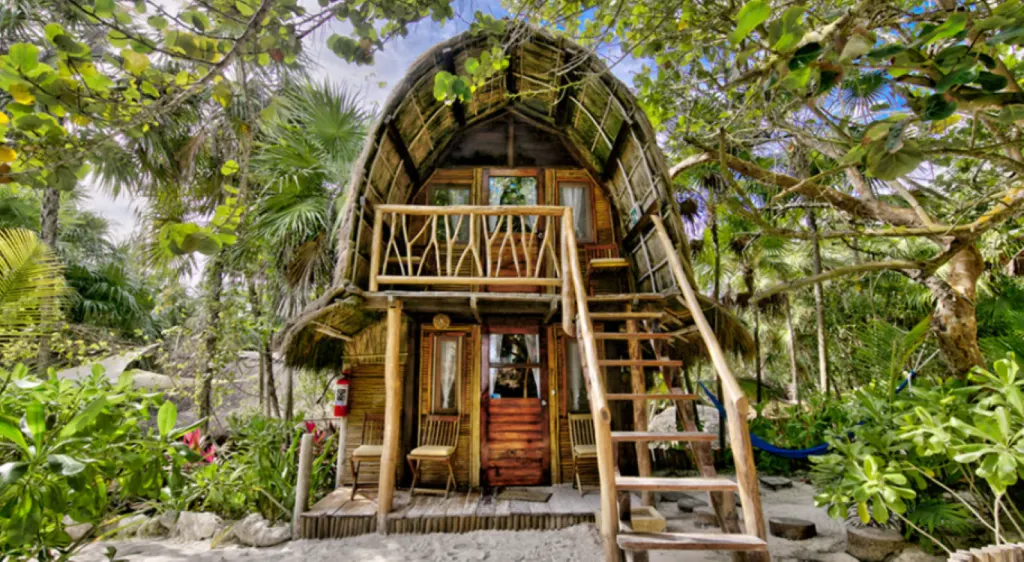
(254, 303)
(819, 308)
(273, 406)
(289, 403)
(791, 344)
(717, 293)
(49, 212)
(213, 305)
(757, 351)
(268, 389)
(954, 321)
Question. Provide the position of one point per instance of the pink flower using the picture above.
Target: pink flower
(208, 455)
(192, 439)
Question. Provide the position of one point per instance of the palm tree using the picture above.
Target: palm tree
(31, 284)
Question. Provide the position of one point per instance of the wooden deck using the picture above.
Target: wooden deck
(338, 515)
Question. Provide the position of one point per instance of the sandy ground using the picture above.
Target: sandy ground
(580, 543)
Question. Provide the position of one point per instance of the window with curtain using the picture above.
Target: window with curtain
(512, 190)
(514, 365)
(577, 197)
(446, 196)
(446, 374)
(578, 400)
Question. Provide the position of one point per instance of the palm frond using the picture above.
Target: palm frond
(31, 283)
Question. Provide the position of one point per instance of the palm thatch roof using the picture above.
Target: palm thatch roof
(552, 83)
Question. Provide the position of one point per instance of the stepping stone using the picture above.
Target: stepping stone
(688, 503)
(792, 528)
(776, 482)
(873, 545)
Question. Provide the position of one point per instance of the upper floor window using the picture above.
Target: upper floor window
(445, 196)
(578, 196)
(510, 191)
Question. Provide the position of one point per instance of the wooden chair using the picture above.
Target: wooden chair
(584, 447)
(439, 435)
(370, 446)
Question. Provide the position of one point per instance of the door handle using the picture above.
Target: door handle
(544, 403)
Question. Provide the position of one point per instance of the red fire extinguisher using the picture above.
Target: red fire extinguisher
(341, 389)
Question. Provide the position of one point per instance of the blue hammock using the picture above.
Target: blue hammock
(797, 454)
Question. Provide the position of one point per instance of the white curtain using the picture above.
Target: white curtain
(449, 371)
(533, 351)
(577, 197)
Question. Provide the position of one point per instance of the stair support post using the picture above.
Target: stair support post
(735, 400)
(595, 385)
(638, 382)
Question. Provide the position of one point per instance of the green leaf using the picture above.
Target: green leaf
(83, 418)
(805, 55)
(24, 57)
(937, 108)
(878, 510)
(244, 8)
(955, 78)
(136, 63)
(862, 512)
(472, 65)
(11, 472)
(9, 430)
(870, 467)
(991, 82)
(789, 29)
(229, 168)
(35, 421)
(797, 79)
(887, 165)
(953, 25)
(65, 464)
(104, 8)
(751, 15)
(886, 51)
(166, 417)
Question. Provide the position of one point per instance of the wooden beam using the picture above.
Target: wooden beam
(457, 108)
(403, 151)
(618, 145)
(302, 483)
(638, 384)
(392, 415)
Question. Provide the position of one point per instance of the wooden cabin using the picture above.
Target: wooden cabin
(512, 265)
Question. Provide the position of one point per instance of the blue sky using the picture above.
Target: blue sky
(390, 65)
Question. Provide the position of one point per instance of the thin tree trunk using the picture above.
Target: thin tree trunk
(791, 344)
(757, 351)
(954, 321)
(49, 212)
(717, 293)
(289, 404)
(273, 406)
(257, 313)
(819, 308)
(216, 285)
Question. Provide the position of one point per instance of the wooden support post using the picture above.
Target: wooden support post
(392, 415)
(302, 482)
(639, 386)
(403, 151)
(339, 467)
(735, 400)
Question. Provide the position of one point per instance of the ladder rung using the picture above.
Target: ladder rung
(626, 297)
(690, 484)
(632, 336)
(626, 315)
(608, 263)
(639, 363)
(689, 541)
(643, 436)
(651, 396)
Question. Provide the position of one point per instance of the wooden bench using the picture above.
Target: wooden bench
(439, 436)
(584, 447)
(370, 446)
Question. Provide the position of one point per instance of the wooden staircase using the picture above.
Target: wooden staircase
(638, 327)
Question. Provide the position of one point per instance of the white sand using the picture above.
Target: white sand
(580, 543)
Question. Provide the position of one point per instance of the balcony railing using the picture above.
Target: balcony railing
(507, 246)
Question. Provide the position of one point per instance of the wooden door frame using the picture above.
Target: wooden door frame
(515, 326)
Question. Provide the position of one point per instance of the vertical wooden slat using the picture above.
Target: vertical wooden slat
(302, 484)
(378, 233)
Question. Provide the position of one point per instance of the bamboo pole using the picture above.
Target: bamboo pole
(392, 415)
(339, 466)
(378, 235)
(735, 401)
(302, 483)
(598, 404)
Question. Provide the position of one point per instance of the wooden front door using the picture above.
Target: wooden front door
(515, 440)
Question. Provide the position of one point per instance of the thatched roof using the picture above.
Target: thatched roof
(553, 84)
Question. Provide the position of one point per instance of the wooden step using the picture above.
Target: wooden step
(651, 396)
(623, 316)
(639, 363)
(689, 541)
(608, 263)
(626, 297)
(691, 484)
(643, 436)
(632, 336)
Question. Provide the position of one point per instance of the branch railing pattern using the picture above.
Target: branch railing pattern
(466, 245)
